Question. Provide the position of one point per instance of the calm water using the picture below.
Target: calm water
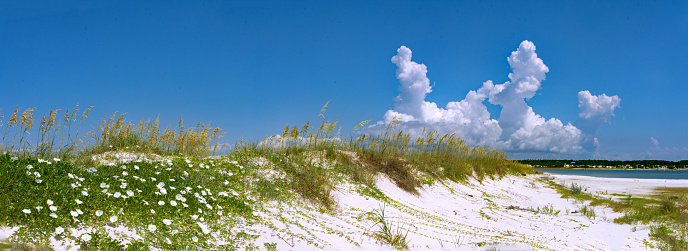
(616, 173)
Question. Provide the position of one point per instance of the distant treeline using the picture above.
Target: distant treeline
(634, 164)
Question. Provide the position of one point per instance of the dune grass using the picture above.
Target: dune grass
(53, 189)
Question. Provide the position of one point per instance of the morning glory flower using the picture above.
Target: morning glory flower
(161, 203)
(117, 194)
(56, 159)
(38, 208)
(71, 176)
(78, 201)
(84, 193)
(169, 242)
(167, 222)
(123, 186)
(53, 215)
(79, 211)
(130, 193)
(152, 211)
(136, 167)
(152, 228)
(74, 214)
(86, 237)
(124, 173)
(113, 218)
(173, 203)
(195, 239)
(38, 175)
(29, 167)
(53, 208)
(73, 185)
(178, 197)
(59, 230)
(99, 213)
(39, 181)
(27, 211)
(103, 185)
(194, 217)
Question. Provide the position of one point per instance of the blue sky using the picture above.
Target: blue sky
(250, 67)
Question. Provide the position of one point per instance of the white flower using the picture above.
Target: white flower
(194, 217)
(169, 242)
(71, 176)
(14, 158)
(38, 175)
(53, 215)
(130, 193)
(78, 201)
(195, 239)
(178, 197)
(145, 202)
(152, 228)
(123, 186)
(136, 167)
(59, 230)
(81, 179)
(152, 211)
(185, 205)
(187, 161)
(28, 173)
(99, 213)
(39, 181)
(161, 203)
(209, 206)
(56, 159)
(104, 191)
(27, 211)
(74, 214)
(161, 184)
(204, 228)
(79, 211)
(173, 203)
(219, 213)
(226, 182)
(186, 174)
(124, 173)
(84, 193)
(113, 218)
(53, 208)
(173, 188)
(29, 167)
(86, 237)
(153, 179)
(103, 185)
(171, 179)
(167, 222)
(163, 190)
(117, 194)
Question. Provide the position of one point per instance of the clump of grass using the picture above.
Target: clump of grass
(576, 189)
(588, 211)
(387, 232)
(408, 161)
(59, 136)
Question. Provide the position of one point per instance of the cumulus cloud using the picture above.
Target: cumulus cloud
(595, 111)
(518, 128)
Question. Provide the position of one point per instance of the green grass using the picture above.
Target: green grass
(387, 232)
(671, 212)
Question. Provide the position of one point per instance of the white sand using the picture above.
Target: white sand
(601, 186)
(451, 216)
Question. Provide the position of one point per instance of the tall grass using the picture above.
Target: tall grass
(406, 159)
(59, 135)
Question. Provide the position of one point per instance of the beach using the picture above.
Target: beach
(511, 213)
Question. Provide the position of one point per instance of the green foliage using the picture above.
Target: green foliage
(54, 198)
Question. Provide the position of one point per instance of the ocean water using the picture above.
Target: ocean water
(622, 173)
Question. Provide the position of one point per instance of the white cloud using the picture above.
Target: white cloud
(518, 128)
(595, 110)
